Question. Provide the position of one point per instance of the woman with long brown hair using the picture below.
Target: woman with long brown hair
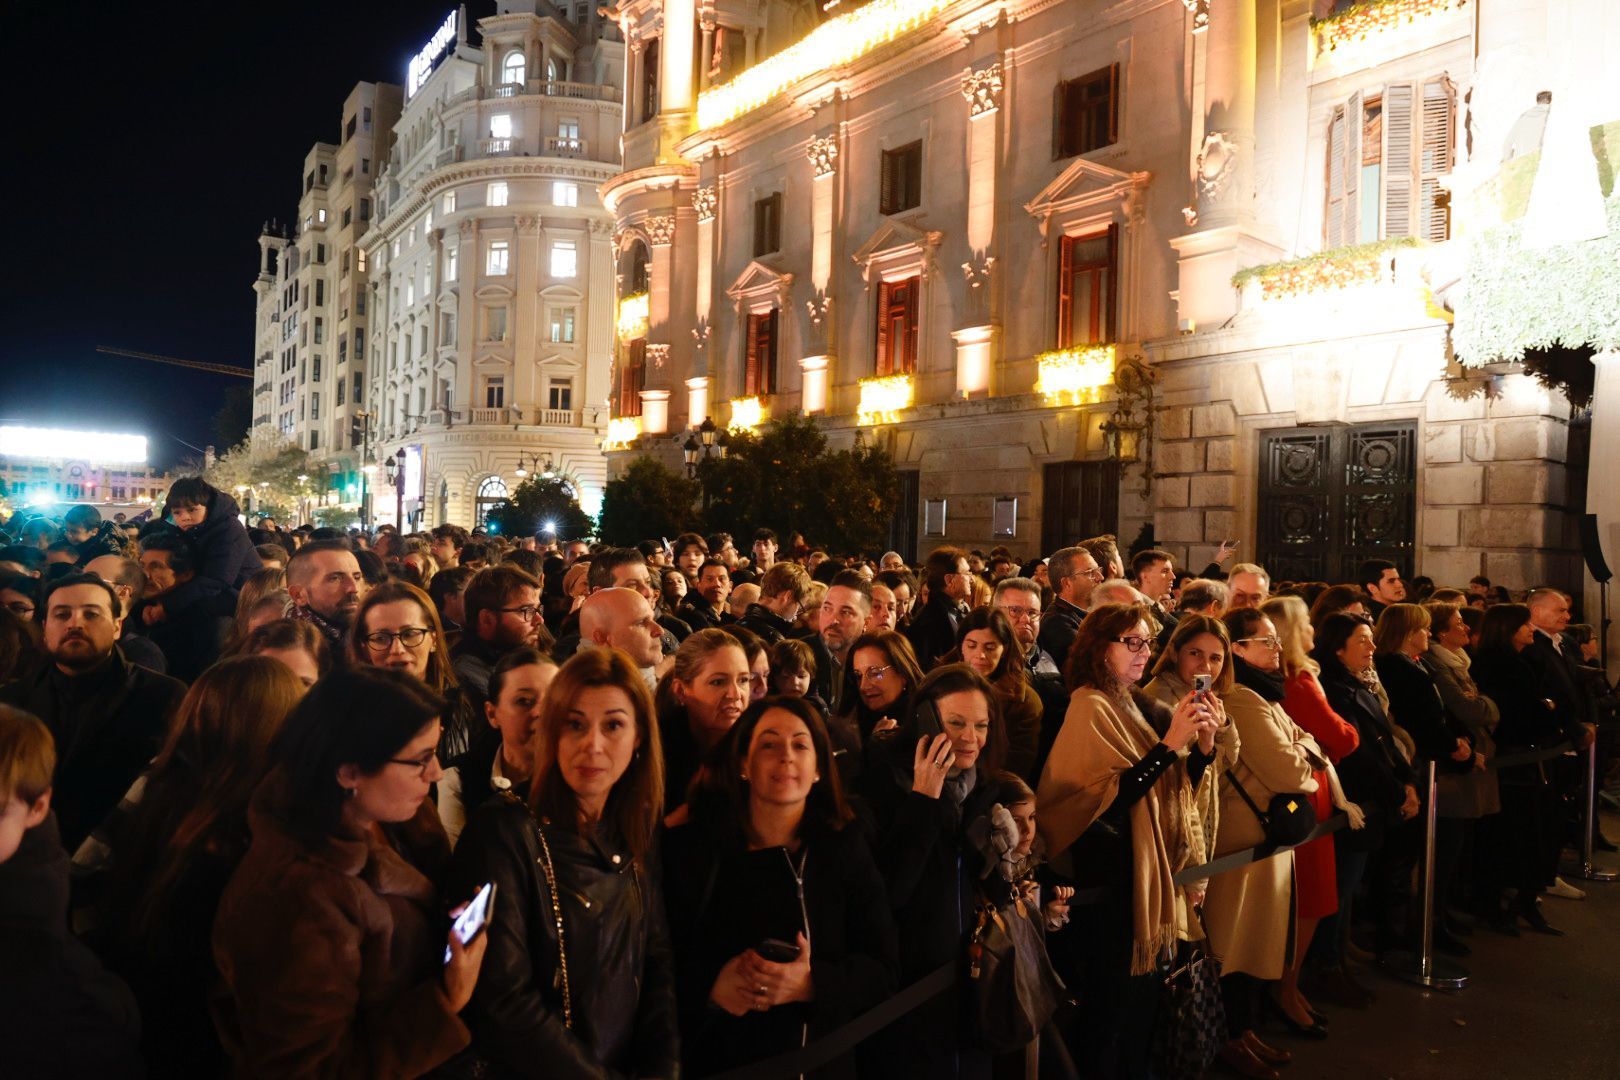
(580, 975)
(172, 846)
(1116, 807)
(397, 626)
(263, 599)
(985, 642)
(699, 698)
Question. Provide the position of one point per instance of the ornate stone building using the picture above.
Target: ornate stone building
(492, 264)
(1088, 266)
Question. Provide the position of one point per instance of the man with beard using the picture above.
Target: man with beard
(844, 611)
(326, 586)
(623, 619)
(107, 715)
(503, 612)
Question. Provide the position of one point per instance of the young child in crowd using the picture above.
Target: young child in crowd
(793, 672)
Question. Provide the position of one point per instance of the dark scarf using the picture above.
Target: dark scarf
(336, 636)
(1270, 685)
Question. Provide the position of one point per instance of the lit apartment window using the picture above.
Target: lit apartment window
(320, 215)
(562, 325)
(901, 182)
(450, 264)
(360, 261)
(564, 193)
(1085, 115)
(897, 326)
(500, 126)
(1086, 283)
(396, 247)
(768, 224)
(497, 194)
(514, 68)
(568, 128)
(495, 264)
(448, 202)
(564, 259)
(495, 323)
(410, 291)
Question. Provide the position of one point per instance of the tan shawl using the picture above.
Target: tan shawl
(1168, 689)
(1099, 740)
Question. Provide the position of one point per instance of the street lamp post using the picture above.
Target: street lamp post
(396, 476)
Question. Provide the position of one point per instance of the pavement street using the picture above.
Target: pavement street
(1536, 1007)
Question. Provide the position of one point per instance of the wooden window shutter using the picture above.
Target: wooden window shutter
(886, 183)
(751, 356)
(1333, 215)
(1436, 121)
(1113, 104)
(1397, 172)
(1354, 118)
(1109, 326)
(883, 365)
(1065, 298)
(908, 360)
(767, 358)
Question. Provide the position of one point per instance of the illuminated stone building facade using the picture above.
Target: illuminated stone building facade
(1088, 266)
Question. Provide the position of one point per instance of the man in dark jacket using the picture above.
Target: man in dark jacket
(189, 634)
(1073, 572)
(108, 716)
(82, 526)
(781, 594)
(933, 630)
(705, 605)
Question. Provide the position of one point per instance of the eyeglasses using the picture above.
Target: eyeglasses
(1268, 642)
(383, 640)
(1095, 573)
(874, 673)
(1134, 644)
(20, 608)
(421, 763)
(527, 611)
(1022, 613)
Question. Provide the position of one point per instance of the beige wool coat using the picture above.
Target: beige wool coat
(1249, 912)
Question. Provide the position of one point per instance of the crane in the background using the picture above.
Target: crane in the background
(196, 365)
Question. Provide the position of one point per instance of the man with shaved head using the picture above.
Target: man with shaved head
(622, 619)
(741, 597)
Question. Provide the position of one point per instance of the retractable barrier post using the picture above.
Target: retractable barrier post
(1423, 967)
(1586, 870)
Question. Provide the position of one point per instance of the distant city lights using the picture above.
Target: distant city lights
(94, 446)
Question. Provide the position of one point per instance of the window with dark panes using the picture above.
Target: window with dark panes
(1085, 114)
(1087, 280)
(759, 354)
(897, 326)
(768, 224)
(902, 179)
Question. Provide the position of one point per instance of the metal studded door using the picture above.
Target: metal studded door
(1331, 497)
(1081, 500)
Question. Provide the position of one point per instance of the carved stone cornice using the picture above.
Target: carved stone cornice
(660, 229)
(706, 201)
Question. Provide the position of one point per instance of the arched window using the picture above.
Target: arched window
(553, 72)
(638, 269)
(514, 69)
(491, 491)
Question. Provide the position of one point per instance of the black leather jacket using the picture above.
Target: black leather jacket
(621, 970)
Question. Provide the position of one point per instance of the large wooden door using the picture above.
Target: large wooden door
(903, 528)
(1080, 500)
(1331, 497)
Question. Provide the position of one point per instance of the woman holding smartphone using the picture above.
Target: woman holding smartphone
(330, 936)
(580, 978)
(775, 902)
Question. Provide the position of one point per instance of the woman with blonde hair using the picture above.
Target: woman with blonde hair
(581, 976)
(1316, 893)
(172, 845)
(699, 698)
(1116, 807)
(397, 626)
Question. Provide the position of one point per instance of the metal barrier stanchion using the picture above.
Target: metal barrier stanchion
(1585, 869)
(1423, 967)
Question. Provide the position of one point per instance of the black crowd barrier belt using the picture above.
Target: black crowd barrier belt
(837, 1043)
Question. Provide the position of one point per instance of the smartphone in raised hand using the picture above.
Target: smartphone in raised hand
(473, 918)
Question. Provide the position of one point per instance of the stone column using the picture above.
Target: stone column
(818, 343)
(677, 91)
(976, 338)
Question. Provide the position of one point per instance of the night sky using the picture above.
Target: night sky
(147, 145)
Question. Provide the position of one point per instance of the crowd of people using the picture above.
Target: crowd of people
(708, 807)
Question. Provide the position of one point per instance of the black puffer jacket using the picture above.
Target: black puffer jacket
(225, 553)
(1375, 773)
(621, 971)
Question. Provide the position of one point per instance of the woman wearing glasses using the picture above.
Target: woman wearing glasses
(580, 977)
(1249, 912)
(925, 782)
(397, 627)
(1116, 806)
(330, 937)
(986, 643)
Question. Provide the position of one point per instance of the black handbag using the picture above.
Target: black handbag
(1015, 991)
(1287, 821)
(1192, 1018)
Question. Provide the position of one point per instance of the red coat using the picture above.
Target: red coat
(1315, 875)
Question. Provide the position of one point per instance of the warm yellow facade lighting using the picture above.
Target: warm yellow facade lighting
(1074, 376)
(882, 399)
(633, 313)
(621, 432)
(747, 413)
(836, 42)
(1361, 23)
